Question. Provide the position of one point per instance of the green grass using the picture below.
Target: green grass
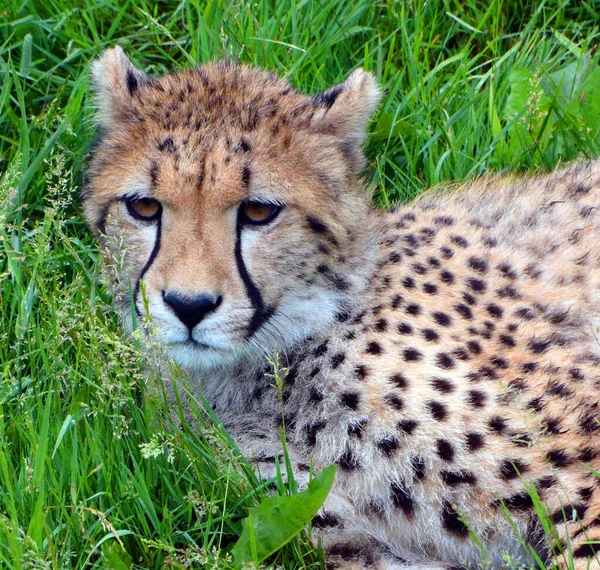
(90, 461)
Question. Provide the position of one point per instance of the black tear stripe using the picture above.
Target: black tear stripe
(150, 261)
(261, 313)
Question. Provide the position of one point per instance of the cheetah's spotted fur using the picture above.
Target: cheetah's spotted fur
(444, 356)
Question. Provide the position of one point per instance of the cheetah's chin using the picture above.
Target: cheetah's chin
(198, 356)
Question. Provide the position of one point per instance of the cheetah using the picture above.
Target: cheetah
(443, 355)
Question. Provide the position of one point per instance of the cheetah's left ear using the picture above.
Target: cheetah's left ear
(116, 80)
(347, 107)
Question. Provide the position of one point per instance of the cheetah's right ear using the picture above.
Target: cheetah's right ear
(115, 80)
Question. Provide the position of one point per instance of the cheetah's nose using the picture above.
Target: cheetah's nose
(191, 310)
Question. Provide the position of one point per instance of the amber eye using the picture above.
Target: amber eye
(146, 209)
(258, 213)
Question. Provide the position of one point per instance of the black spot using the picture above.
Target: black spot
(558, 389)
(399, 380)
(317, 226)
(508, 292)
(478, 264)
(402, 499)
(442, 318)
(529, 367)
(587, 454)
(357, 428)
(418, 467)
(452, 521)
(406, 426)
(587, 550)
(337, 359)
(539, 346)
(464, 311)
(446, 252)
(518, 502)
(447, 277)
(477, 398)
(430, 288)
(476, 285)
(246, 175)
(552, 425)
(420, 269)
(325, 520)
(454, 478)
(524, 313)
(387, 445)
(350, 399)
(321, 349)
(442, 385)
(506, 271)
(166, 145)
(566, 514)
(430, 335)
(511, 469)
(405, 328)
(434, 262)
(585, 493)
(589, 423)
(409, 283)
(348, 461)
(497, 424)
(311, 431)
(395, 257)
(381, 325)
(315, 372)
(546, 482)
(413, 309)
(536, 404)
(243, 145)
(374, 348)
(474, 347)
(394, 401)
(445, 361)
(345, 551)
(460, 241)
(445, 450)
(412, 355)
(576, 374)
(475, 441)
(361, 371)
(507, 340)
(443, 220)
(437, 410)
(499, 362)
(520, 439)
(396, 301)
(315, 396)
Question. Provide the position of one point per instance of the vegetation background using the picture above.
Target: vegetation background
(93, 472)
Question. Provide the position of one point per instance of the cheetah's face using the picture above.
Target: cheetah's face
(226, 202)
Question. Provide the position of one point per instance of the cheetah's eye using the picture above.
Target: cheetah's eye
(258, 213)
(146, 209)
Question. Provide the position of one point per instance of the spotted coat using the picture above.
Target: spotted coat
(443, 355)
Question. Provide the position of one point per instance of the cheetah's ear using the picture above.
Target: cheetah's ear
(115, 80)
(346, 108)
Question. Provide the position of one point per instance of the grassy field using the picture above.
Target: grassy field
(93, 471)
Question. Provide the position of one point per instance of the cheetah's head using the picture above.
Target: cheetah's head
(229, 205)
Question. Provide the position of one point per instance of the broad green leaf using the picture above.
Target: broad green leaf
(114, 557)
(277, 520)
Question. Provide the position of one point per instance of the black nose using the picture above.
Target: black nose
(191, 310)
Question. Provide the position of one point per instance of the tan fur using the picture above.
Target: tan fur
(445, 356)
